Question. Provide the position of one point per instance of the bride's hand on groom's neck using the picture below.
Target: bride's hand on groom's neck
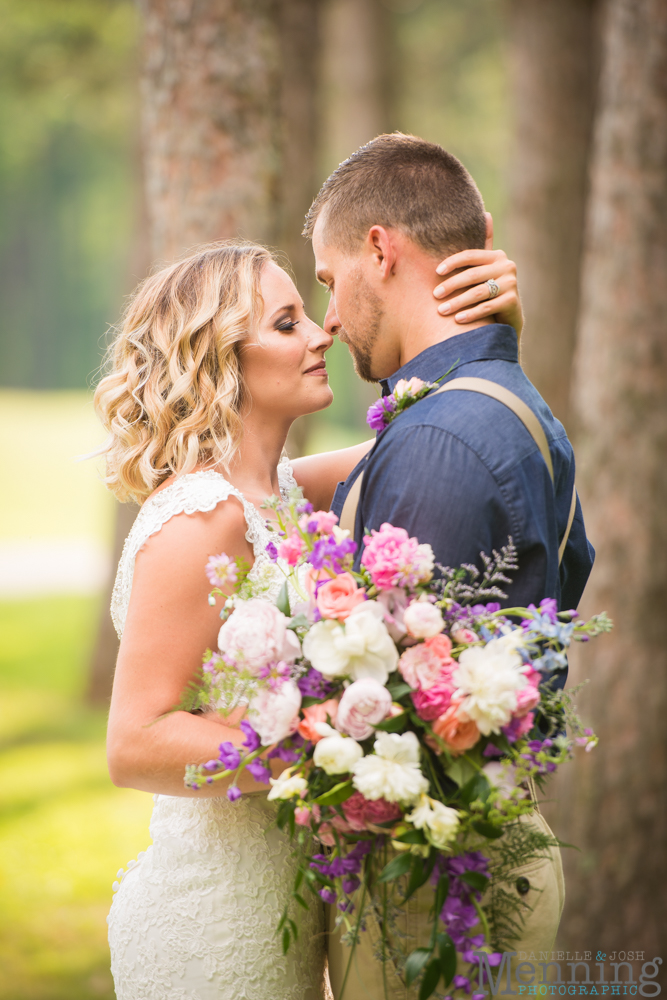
(465, 293)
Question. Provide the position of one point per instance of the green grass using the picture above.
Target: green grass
(65, 830)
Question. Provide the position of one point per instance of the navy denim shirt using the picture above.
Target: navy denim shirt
(459, 470)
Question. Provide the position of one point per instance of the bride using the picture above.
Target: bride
(214, 361)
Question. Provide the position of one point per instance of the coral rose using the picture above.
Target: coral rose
(336, 598)
(457, 732)
(314, 714)
(442, 645)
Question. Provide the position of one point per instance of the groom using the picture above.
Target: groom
(463, 469)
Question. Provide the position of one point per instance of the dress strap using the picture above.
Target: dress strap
(189, 494)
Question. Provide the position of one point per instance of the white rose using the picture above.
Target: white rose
(361, 647)
(439, 822)
(392, 772)
(275, 714)
(503, 777)
(488, 677)
(287, 786)
(336, 754)
(256, 634)
(363, 705)
(423, 620)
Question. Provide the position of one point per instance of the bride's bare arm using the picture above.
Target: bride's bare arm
(318, 475)
(169, 625)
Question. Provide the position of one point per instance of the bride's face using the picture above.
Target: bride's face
(283, 362)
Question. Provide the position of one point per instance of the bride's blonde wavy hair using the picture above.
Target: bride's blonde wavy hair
(172, 397)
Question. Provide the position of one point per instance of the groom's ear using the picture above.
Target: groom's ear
(488, 245)
(381, 246)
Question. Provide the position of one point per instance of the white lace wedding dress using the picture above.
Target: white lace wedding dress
(194, 918)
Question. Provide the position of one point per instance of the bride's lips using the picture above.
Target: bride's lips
(318, 369)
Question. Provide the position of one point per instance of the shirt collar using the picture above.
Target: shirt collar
(496, 341)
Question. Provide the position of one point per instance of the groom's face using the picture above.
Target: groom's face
(355, 314)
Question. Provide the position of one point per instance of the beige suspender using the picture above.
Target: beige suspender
(512, 402)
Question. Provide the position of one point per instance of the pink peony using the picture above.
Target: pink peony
(423, 620)
(314, 714)
(256, 635)
(364, 703)
(292, 548)
(420, 666)
(455, 729)
(527, 698)
(464, 636)
(408, 388)
(393, 559)
(362, 814)
(336, 598)
(340, 823)
(434, 701)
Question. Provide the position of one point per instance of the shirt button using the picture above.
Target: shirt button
(522, 885)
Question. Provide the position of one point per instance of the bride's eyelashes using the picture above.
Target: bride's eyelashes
(287, 326)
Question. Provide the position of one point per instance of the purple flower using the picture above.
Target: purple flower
(491, 750)
(272, 551)
(229, 756)
(378, 417)
(458, 917)
(330, 555)
(287, 749)
(350, 884)
(211, 765)
(313, 685)
(233, 793)
(346, 906)
(328, 895)
(461, 983)
(252, 741)
(549, 607)
(305, 508)
(259, 771)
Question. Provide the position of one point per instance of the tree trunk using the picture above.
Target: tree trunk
(553, 74)
(229, 90)
(614, 799)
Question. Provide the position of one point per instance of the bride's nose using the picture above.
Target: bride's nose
(319, 339)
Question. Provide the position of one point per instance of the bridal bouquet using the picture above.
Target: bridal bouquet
(414, 715)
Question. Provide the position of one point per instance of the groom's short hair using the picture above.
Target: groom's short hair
(403, 182)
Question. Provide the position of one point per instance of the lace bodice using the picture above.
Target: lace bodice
(190, 494)
(194, 918)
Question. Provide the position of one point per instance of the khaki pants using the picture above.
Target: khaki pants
(365, 980)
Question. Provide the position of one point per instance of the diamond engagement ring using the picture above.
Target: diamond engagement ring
(494, 288)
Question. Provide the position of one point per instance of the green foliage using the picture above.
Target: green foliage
(64, 829)
(67, 124)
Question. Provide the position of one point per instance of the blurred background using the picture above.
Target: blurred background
(130, 132)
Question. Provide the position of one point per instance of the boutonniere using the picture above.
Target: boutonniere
(387, 408)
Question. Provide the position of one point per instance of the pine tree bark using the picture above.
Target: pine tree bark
(613, 801)
(229, 102)
(553, 72)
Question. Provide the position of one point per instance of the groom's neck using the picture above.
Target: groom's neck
(418, 324)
